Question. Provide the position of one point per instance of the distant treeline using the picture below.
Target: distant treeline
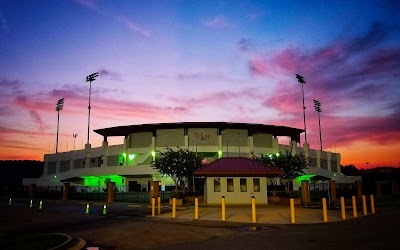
(13, 171)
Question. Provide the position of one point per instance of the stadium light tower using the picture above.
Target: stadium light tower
(59, 106)
(90, 79)
(317, 106)
(300, 79)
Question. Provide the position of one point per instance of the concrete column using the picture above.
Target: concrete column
(306, 152)
(126, 146)
(65, 191)
(251, 146)
(305, 191)
(275, 145)
(87, 155)
(154, 188)
(57, 163)
(220, 143)
(378, 187)
(187, 141)
(293, 147)
(332, 185)
(359, 189)
(318, 152)
(46, 165)
(110, 192)
(338, 159)
(328, 160)
(71, 159)
(104, 152)
(32, 191)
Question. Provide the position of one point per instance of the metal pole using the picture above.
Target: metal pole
(304, 113)
(90, 91)
(320, 137)
(58, 122)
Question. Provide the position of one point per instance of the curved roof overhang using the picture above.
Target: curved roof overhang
(293, 133)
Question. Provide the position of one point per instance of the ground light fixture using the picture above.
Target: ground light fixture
(317, 106)
(301, 80)
(90, 79)
(59, 107)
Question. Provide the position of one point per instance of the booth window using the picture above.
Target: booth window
(229, 186)
(217, 185)
(256, 184)
(243, 185)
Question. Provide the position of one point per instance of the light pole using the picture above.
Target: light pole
(74, 135)
(59, 106)
(317, 106)
(90, 79)
(300, 79)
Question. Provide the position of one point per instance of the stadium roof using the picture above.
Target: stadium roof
(294, 133)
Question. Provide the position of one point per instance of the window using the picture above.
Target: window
(243, 185)
(217, 185)
(229, 186)
(256, 184)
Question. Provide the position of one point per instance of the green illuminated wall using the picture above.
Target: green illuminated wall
(100, 180)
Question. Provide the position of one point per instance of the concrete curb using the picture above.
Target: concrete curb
(72, 243)
(69, 238)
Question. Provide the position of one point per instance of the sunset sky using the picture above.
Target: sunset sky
(187, 61)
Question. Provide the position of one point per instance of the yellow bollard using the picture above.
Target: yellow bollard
(87, 209)
(353, 201)
(153, 206)
(31, 204)
(196, 208)
(40, 205)
(292, 214)
(372, 203)
(173, 207)
(253, 209)
(223, 208)
(104, 210)
(364, 201)
(343, 208)
(9, 202)
(324, 210)
(159, 205)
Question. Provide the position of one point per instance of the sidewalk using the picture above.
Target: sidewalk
(265, 214)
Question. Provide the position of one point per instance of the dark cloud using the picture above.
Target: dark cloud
(245, 45)
(111, 75)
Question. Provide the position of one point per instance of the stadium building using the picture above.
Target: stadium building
(129, 164)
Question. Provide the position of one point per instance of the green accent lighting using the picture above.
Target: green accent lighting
(153, 153)
(94, 181)
(132, 156)
(306, 177)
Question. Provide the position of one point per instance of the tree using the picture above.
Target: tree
(291, 165)
(177, 165)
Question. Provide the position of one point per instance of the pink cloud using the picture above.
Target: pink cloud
(133, 26)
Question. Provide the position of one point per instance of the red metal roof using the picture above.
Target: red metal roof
(237, 166)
